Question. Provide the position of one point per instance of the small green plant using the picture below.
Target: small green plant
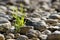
(19, 20)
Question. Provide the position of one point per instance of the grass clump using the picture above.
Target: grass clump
(19, 21)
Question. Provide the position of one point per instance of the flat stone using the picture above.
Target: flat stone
(24, 30)
(33, 33)
(22, 37)
(54, 16)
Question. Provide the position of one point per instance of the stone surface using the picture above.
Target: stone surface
(51, 21)
(10, 36)
(47, 32)
(42, 20)
(2, 37)
(53, 37)
(33, 33)
(22, 37)
(10, 39)
(24, 30)
(17, 35)
(3, 8)
(54, 16)
(4, 24)
(43, 36)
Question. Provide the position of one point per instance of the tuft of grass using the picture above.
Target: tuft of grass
(19, 20)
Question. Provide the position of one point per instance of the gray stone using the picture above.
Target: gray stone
(41, 25)
(3, 9)
(34, 19)
(56, 5)
(17, 35)
(2, 14)
(47, 32)
(5, 25)
(56, 32)
(46, 6)
(53, 28)
(51, 21)
(24, 30)
(33, 33)
(43, 36)
(54, 16)
(22, 37)
(10, 36)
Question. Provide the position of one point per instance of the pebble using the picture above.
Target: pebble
(33, 33)
(24, 30)
(2, 37)
(22, 37)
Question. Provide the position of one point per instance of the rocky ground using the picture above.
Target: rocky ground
(42, 20)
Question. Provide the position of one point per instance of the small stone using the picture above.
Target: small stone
(10, 36)
(51, 21)
(22, 37)
(3, 8)
(53, 28)
(34, 19)
(17, 35)
(33, 33)
(54, 16)
(41, 25)
(47, 32)
(4, 24)
(46, 6)
(2, 37)
(53, 37)
(24, 30)
(43, 36)
(56, 32)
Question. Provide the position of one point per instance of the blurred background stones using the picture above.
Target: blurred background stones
(42, 20)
